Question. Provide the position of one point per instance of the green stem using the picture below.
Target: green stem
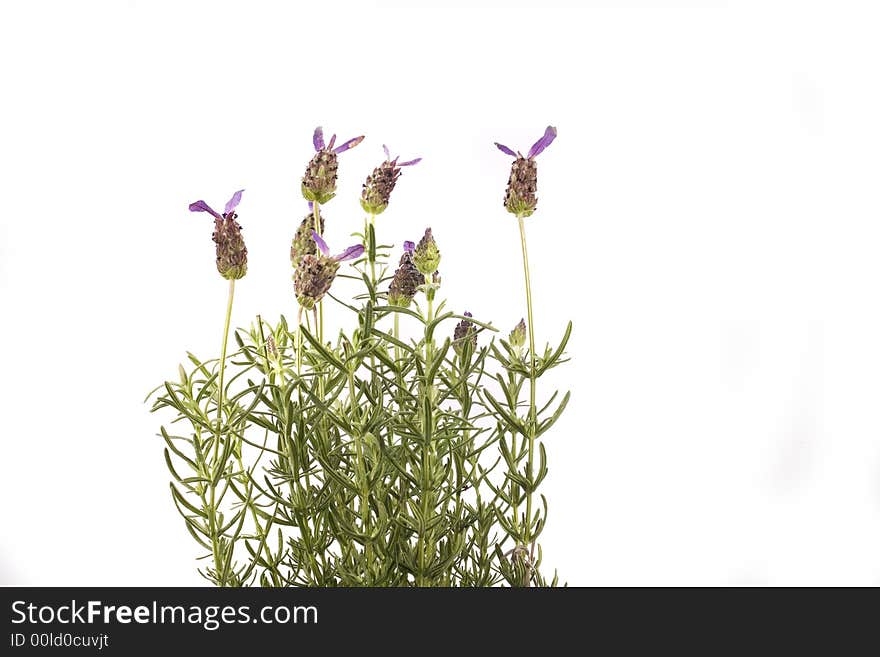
(312, 565)
(532, 388)
(220, 391)
(317, 214)
(396, 337)
(319, 320)
(426, 450)
(212, 517)
(361, 470)
(404, 484)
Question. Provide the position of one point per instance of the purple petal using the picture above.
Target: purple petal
(409, 163)
(351, 143)
(232, 203)
(201, 206)
(311, 207)
(409, 247)
(467, 314)
(505, 149)
(322, 245)
(387, 153)
(543, 142)
(350, 253)
(318, 138)
(332, 141)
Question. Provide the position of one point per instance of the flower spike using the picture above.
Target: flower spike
(302, 242)
(315, 272)
(319, 180)
(426, 255)
(406, 280)
(379, 184)
(231, 250)
(464, 336)
(520, 198)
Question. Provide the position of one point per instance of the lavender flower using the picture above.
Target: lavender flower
(231, 250)
(319, 180)
(426, 255)
(302, 243)
(406, 280)
(520, 198)
(465, 334)
(379, 184)
(316, 272)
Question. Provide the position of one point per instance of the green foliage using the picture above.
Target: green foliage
(381, 457)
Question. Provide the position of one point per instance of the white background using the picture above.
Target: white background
(708, 219)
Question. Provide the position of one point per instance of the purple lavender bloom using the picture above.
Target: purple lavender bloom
(379, 184)
(406, 280)
(231, 250)
(315, 273)
(465, 335)
(319, 181)
(522, 185)
(318, 141)
(352, 252)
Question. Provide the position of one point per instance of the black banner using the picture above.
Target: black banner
(410, 621)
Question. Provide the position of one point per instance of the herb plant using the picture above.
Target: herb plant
(404, 449)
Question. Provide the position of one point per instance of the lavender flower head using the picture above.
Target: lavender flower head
(319, 180)
(426, 255)
(231, 250)
(406, 280)
(379, 184)
(316, 272)
(465, 334)
(520, 198)
(302, 243)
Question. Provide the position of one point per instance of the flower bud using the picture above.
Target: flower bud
(319, 180)
(302, 243)
(522, 185)
(378, 187)
(426, 255)
(405, 282)
(271, 348)
(465, 333)
(518, 335)
(435, 279)
(312, 278)
(231, 250)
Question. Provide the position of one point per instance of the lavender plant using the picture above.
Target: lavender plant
(399, 451)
